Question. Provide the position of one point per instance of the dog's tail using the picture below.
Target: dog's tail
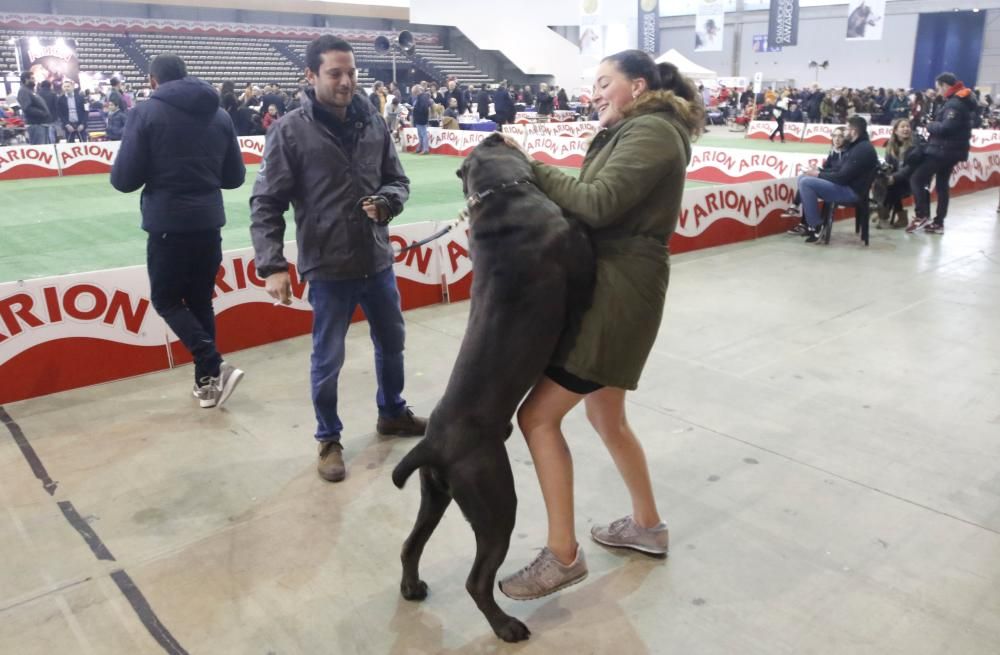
(420, 455)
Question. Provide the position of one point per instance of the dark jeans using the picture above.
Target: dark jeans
(333, 303)
(940, 170)
(182, 269)
(38, 135)
(780, 129)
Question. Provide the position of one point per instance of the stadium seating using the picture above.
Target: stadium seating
(242, 60)
(97, 51)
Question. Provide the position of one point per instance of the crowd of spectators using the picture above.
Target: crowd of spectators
(853, 170)
(50, 113)
(879, 106)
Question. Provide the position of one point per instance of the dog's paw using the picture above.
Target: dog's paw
(512, 630)
(413, 590)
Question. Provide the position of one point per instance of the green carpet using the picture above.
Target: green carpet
(55, 226)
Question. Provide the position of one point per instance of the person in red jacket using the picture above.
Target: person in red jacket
(271, 117)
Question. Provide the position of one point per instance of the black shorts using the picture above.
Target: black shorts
(570, 382)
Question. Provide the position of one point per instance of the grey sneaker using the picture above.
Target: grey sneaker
(204, 393)
(626, 533)
(212, 392)
(229, 377)
(545, 575)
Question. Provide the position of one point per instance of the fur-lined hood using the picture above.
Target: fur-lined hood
(686, 113)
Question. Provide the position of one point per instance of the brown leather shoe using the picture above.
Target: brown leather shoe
(331, 461)
(404, 425)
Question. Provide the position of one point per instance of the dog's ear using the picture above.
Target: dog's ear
(494, 139)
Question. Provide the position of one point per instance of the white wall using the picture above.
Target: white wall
(989, 65)
(888, 62)
(517, 28)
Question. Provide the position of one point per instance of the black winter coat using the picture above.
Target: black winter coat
(33, 107)
(483, 104)
(857, 168)
(951, 132)
(181, 146)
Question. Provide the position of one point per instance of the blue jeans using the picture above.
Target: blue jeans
(333, 303)
(814, 189)
(424, 142)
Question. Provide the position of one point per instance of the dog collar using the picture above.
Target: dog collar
(477, 198)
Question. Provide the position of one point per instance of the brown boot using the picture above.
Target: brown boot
(331, 461)
(404, 425)
(900, 219)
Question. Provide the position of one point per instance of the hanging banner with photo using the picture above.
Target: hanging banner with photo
(649, 26)
(865, 19)
(783, 23)
(591, 29)
(52, 59)
(708, 26)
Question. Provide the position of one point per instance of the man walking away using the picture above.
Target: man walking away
(181, 146)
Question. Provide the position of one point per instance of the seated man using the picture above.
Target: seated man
(849, 183)
(831, 163)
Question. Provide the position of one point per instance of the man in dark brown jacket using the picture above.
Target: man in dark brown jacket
(333, 160)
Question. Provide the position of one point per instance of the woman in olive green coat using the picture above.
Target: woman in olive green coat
(629, 195)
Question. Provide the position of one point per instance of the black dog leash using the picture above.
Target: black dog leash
(424, 242)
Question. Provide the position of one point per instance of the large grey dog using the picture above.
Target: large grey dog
(533, 270)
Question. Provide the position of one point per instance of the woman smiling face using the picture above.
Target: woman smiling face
(614, 92)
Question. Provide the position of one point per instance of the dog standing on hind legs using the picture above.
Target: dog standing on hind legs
(533, 276)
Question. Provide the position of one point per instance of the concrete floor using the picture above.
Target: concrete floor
(823, 426)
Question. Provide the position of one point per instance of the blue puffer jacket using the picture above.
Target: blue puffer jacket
(182, 147)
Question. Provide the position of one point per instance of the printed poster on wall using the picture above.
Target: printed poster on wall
(52, 59)
(591, 29)
(865, 19)
(783, 23)
(708, 26)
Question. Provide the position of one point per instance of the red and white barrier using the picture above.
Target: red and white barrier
(557, 150)
(982, 140)
(445, 142)
(714, 216)
(87, 158)
(96, 157)
(735, 165)
(70, 331)
(22, 162)
(252, 148)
